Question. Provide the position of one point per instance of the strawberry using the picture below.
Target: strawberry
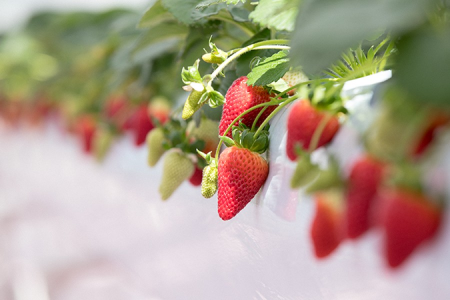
(176, 169)
(159, 109)
(241, 174)
(364, 180)
(191, 105)
(209, 180)
(241, 170)
(86, 128)
(196, 178)
(102, 143)
(238, 99)
(155, 139)
(326, 228)
(114, 105)
(303, 122)
(141, 125)
(427, 136)
(409, 220)
(293, 78)
(207, 131)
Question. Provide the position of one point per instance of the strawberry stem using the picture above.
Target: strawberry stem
(272, 102)
(271, 44)
(275, 111)
(318, 132)
(257, 117)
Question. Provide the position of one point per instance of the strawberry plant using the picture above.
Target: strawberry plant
(242, 63)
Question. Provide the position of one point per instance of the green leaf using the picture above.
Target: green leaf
(244, 61)
(207, 3)
(183, 10)
(324, 28)
(171, 33)
(269, 70)
(423, 66)
(276, 14)
(154, 15)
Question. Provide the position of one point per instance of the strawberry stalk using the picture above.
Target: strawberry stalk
(271, 44)
(318, 132)
(273, 102)
(283, 104)
(257, 117)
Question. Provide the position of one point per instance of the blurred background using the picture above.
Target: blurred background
(14, 14)
(83, 84)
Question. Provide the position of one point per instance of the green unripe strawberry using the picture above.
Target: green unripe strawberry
(177, 168)
(155, 147)
(191, 105)
(209, 180)
(207, 131)
(102, 143)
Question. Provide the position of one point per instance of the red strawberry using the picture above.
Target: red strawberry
(303, 121)
(238, 99)
(409, 220)
(241, 175)
(196, 178)
(114, 105)
(428, 135)
(326, 228)
(141, 125)
(365, 178)
(86, 130)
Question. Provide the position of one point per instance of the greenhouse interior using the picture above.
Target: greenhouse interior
(224, 149)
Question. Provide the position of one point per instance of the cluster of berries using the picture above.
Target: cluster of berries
(378, 192)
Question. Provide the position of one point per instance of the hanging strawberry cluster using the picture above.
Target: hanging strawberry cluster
(286, 55)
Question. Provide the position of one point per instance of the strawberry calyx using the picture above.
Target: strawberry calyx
(216, 56)
(305, 171)
(327, 178)
(245, 138)
(406, 176)
(325, 97)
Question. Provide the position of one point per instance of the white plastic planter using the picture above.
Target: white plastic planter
(72, 229)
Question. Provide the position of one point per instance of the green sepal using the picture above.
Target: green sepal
(216, 99)
(229, 142)
(305, 172)
(326, 179)
(191, 74)
(245, 138)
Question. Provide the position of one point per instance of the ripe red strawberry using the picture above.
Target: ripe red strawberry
(86, 128)
(302, 122)
(241, 174)
(114, 105)
(326, 228)
(141, 125)
(409, 220)
(238, 99)
(196, 178)
(363, 183)
(428, 134)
